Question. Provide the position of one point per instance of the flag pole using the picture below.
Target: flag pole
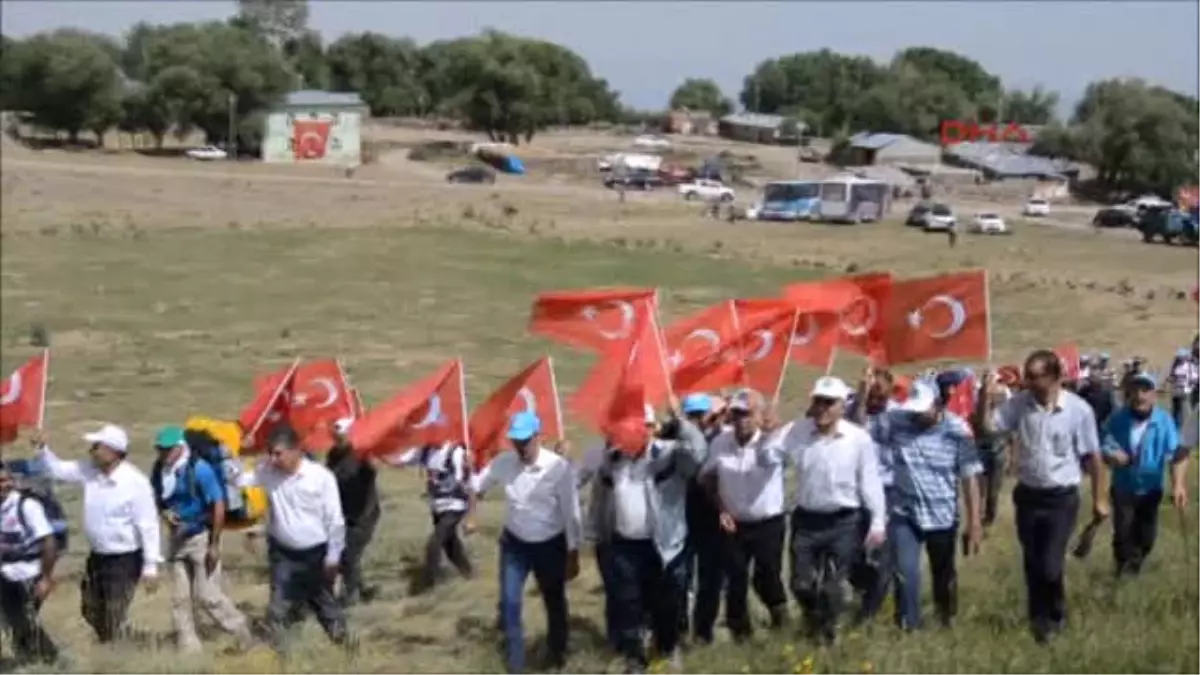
(462, 395)
(987, 313)
(557, 401)
(45, 379)
(278, 391)
(786, 357)
(832, 359)
(349, 388)
(737, 328)
(662, 348)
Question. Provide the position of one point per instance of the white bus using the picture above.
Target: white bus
(850, 199)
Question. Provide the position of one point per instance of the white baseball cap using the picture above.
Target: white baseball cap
(923, 395)
(342, 426)
(831, 387)
(110, 436)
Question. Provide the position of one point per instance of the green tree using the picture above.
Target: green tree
(278, 20)
(1035, 106)
(910, 101)
(981, 87)
(822, 84)
(305, 55)
(384, 71)
(69, 80)
(696, 93)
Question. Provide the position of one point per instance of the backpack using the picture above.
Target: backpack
(54, 514)
(443, 483)
(203, 447)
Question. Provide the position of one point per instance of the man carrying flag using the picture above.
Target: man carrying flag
(356, 479)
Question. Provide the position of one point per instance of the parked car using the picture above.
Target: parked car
(706, 189)
(939, 218)
(651, 142)
(916, 217)
(207, 153)
(1170, 225)
(1036, 207)
(472, 174)
(988, 223)
(1114, 216)
(638, 179)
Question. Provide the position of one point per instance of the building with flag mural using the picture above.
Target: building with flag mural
(318, 127)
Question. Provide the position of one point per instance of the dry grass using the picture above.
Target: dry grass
(164, 286)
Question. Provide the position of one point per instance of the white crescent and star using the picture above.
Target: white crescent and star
(529, 399)
(865, 326)
(801, 339)
(958, 316)
(591, 312)
(327, 386)
(768, 343)
(434, 415)
(311, 149)
(14, 389)
(707, 334)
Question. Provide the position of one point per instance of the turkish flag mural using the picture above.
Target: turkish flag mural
(310, 138)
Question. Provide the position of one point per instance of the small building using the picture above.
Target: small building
(757, 128)
(1008, 160)
(688, 122)
(318, 127)
(891, 149)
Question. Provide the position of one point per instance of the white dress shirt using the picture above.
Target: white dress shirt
(32, 527)
(119, 512)
(749, 491)
(304, 508)
(834, 471)
(541, 498)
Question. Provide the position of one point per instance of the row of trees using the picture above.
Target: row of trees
(201, 76)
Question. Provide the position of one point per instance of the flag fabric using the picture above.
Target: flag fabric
(769, 326)
(269, 406)
(1068, 354)
(963, 398)
(818, 327)
(940, 317)
(590, 319)
(862, 322)
(704, 350)
(631, 372)
(23, 397)
(318, 396)
(533, 390)
(432, 411)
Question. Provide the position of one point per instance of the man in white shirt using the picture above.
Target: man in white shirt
(451, 503)
(541, 534)
(27, 557)
(751, 500)
(120, 520)
(306, 535)
(837, 475)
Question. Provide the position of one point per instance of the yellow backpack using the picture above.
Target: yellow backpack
(229, 434)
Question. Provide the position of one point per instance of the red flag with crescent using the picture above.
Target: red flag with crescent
(319, 397)
(310, 138)
(940, 317)
(431, 411)
(533, 390)
(592, 319)
(23, 397)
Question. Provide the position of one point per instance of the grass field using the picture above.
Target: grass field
(164, 290)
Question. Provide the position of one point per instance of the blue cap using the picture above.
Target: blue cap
(696, 403)
(951, 378)
(1146, 379)
(523, 426)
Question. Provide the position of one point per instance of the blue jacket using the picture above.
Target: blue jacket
(1150, 458)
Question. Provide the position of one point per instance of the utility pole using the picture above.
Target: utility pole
(231, 140)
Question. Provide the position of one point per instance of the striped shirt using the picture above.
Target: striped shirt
(928, 464)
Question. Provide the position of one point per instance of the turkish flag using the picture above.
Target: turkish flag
(310, 138)
(1069, 355)
(431, 411)
(270, 405)
(633, 368)
(319, 396)
(963, 398)
(769, 326)
(819, 326)
(357, 404)
(23, 397)
(589, 319)
(534, 390)
(704, 350)
(862, 322)
(942, 317)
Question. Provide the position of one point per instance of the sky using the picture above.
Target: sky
(645, 48)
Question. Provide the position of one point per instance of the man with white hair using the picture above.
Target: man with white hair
(356, 479)
(120, 520)
(837, 472)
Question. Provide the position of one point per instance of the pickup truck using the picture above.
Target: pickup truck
(1169, 225)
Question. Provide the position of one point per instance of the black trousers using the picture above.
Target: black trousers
(707, 565)
(1135, 527)
(445, 539)
(991, 481)
(643, 584)
(1045, 520)
(873, 570)
(757, 545)
(907, 540)
(298, 582)
(107, 589)
(20, 608)
(824, 548)
(358, 537)
(1179, 409)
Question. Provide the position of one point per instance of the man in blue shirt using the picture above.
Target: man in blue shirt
(933, 453)
(191, 497)
(1141, 442)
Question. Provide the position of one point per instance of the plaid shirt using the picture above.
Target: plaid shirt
(928, 464)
